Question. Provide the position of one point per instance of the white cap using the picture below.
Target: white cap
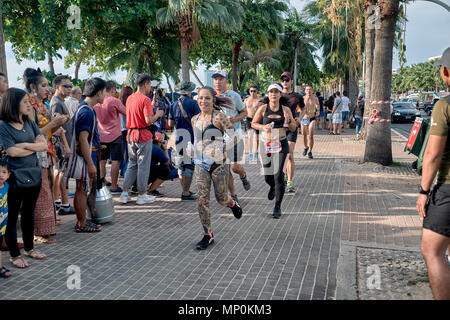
(275, 86)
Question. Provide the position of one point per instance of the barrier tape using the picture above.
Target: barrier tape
(373, 117)
(379, 102)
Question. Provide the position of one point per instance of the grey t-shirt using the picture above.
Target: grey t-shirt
(58, 106)
(338, 104)
(10, 136)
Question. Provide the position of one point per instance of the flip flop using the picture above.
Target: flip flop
(34, 254)
(13, 260)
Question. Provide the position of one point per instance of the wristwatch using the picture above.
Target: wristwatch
(421, 191)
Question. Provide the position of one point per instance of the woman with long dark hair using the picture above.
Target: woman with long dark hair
(210, 159)
(21, 139)
(276, 119)
(125, 92)
(45, 214)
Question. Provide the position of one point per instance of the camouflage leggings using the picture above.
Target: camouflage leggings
(219, 178)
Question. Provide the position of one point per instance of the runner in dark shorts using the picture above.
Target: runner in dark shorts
(295, 104)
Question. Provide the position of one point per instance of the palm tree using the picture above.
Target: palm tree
(253, 59)
(268, 13)
(191, 15)
(3, 66)
(378, 143)
(142, 48)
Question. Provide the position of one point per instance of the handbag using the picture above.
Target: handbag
(27, 177)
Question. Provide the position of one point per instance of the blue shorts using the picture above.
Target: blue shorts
(345, 115)
(186, 170)
(322, 114)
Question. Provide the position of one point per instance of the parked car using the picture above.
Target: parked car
(404, 111)
(428, 107)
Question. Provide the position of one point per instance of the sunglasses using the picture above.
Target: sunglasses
(67, 86)
(253, 91)
(285, 80)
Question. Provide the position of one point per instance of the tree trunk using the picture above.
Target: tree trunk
(149, 63)
(3, 65)
(51, 63)
(83, 52)
(234, 68)
(378, 143)
(185, 61)
(369, 47)
(168, 83)
(196, 77)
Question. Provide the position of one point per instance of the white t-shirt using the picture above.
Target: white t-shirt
(345, 103)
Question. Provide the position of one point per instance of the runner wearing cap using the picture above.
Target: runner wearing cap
(274, 147)
(236, 114)
(296, 105)
(434, 206)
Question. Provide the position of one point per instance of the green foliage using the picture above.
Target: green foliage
(422, 76)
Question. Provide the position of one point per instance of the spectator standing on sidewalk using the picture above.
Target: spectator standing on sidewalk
(44, 213)
(110, 134)
(58, 106)
(321, 122)
(434, 206)
(346, 104)
(276, 119)
(84, 147)
(358, 113)
(139, 117)
(125, 92)
(4, 186)
(180, 117)
(73, 101)
(235, 115)
(337, 114)
(159, 170)
(328, 111)
(21, 139)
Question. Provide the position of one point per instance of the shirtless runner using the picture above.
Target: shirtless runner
(308, 121)
(251, 103)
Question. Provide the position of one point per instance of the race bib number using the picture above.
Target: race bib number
(203, 162)
(273, 146)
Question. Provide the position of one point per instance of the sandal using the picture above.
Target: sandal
(93, 225)
(86, 229)
(3, 272)
(34, 254)
(46, 240)
(19, 262)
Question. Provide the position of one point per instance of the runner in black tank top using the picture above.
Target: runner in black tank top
(274, 148)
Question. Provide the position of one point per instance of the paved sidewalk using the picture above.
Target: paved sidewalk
(341, 209)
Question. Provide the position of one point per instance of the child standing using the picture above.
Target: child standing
(4, 175)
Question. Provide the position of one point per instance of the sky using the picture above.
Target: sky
(427, 35)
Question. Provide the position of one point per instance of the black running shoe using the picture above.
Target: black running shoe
(310, 155)
(206, 241)
(305, 151)
(277, 212)
(234, 197)
(271, 194)
(237, 210)
(245, 183)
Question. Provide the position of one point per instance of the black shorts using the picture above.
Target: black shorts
(249, 125)
(237, 153)
(438, 210)
(113, 149)
(292, 136)
(158, 172)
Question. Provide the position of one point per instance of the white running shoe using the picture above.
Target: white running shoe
(124, 198)
(144, 199)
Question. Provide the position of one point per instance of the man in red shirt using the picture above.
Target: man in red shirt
(110, 133)
(139, 138)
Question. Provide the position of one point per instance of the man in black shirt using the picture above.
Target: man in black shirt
(296, 104)
(322, 112)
